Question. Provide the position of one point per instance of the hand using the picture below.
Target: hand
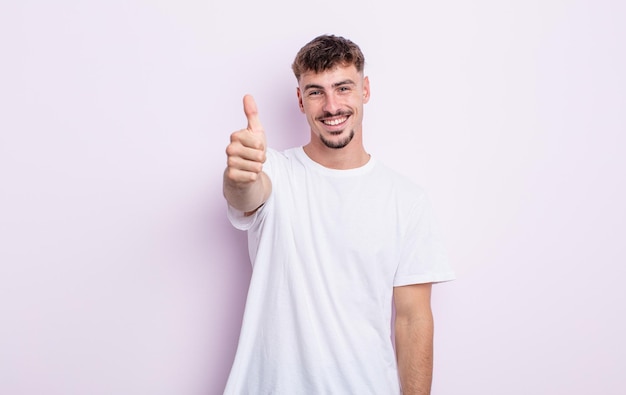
(246, 151)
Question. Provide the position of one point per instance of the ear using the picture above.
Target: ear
(299, 93)
(366, 89)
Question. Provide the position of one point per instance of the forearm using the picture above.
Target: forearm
(414, 351)
(247, 197)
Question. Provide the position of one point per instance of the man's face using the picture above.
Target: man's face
(333, 104)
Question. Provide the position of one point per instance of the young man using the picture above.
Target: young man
(334, 237)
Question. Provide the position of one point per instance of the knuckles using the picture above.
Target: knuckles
(248, 139)
(241, 177)
(231, 150)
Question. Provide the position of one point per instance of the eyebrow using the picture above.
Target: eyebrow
(336, 84)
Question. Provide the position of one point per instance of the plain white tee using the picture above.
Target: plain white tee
(327, 248)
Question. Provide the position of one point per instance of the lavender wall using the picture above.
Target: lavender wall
(119, 273)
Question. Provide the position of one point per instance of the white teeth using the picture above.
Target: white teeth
(334, 122)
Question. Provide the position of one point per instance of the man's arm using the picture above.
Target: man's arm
(414, 338)
(246, 186)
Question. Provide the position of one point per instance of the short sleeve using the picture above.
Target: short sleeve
(238, 218)
(423, 256)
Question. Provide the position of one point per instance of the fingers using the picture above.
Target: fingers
(238, 150)
(248, 139)
(252, 114)
(244, 164)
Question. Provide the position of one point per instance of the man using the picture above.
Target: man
(334, 236)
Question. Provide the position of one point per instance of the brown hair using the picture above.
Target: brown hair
(325, 53)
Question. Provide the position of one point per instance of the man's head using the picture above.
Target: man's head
(332, 91)
(326, 52)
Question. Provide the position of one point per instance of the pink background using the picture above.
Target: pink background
(119, 273)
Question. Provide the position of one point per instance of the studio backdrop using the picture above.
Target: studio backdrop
(120, 274)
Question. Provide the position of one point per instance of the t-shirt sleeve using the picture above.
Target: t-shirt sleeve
(423, 257)
(238, 218)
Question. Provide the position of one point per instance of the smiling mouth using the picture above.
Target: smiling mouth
(335, 121)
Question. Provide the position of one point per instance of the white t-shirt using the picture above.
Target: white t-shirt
(327, 248)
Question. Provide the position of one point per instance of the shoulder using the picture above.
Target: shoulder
(275, 160)
(285, 156)
(398, 182)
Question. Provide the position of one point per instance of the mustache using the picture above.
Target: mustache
(339, 113)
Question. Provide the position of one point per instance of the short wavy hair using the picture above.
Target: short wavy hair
(325, 53)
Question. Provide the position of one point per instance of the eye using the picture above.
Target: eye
(315, 93)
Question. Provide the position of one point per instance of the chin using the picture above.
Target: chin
(338, 143)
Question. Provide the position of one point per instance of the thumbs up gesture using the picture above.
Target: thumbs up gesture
(246, 187)
(246, 151)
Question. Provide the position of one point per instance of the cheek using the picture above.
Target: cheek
(308, 108)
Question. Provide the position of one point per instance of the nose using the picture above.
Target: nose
(331, 104)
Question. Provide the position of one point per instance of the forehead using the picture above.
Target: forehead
(330, 77)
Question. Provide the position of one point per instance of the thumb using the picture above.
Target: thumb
(252, 114)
